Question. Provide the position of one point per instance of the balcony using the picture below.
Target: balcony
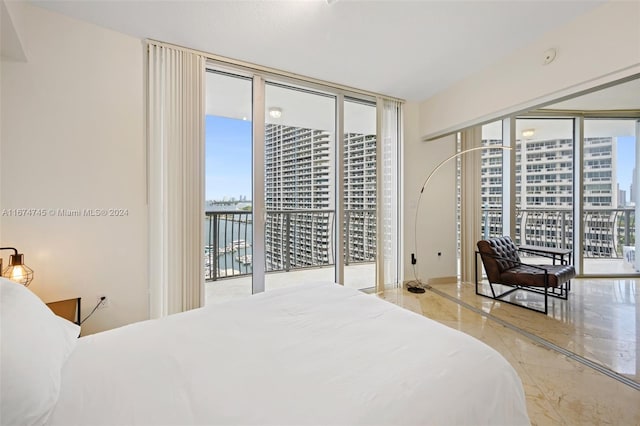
(609, 234)
(298, 242)
(359, 276)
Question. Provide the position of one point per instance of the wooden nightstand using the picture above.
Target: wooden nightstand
(68, 309)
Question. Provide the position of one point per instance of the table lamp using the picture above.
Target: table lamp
(17, 271)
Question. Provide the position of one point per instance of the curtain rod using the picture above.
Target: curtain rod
(272, 71)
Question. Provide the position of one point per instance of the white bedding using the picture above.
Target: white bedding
(314, 354)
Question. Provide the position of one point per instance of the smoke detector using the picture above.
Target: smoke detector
(549, 56)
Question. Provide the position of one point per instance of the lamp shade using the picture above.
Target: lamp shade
(17, 271)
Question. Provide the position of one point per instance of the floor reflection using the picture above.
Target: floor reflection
(600, 321)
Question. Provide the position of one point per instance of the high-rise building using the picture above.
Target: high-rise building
(360, 197)
(300, 197)
(600, 177)
(491, 188)
(544, 192)
(634, 187)
(622, 197)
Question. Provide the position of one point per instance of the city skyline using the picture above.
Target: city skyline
(626, 162)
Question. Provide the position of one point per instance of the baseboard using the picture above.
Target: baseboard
(435, 280)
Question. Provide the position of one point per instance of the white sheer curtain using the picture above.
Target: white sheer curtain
(175, 133)
(470, 202)
(388, 194)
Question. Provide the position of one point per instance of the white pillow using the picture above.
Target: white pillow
(35, 345)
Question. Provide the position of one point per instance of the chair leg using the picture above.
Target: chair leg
(546, 292)
(476, 271)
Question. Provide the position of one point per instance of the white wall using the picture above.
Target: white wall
(72, 137)
(436, 221)
(599, 47)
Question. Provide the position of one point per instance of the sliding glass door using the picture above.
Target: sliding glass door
(575, 186)
(300, 176)
(609, 170)
(228, 212)
(300, 186)
(360, 198)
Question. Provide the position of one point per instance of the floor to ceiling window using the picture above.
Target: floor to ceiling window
(573, 189)
(360, 193)
(299, 183)
(288, 200)
(609, 167)
(574, 186)
(228, 186)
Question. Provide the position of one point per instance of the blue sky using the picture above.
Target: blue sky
(626, 161)
(227, 158)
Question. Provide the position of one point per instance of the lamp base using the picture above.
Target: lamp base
(418, 290)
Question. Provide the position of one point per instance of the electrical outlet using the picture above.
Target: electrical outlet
(103, 302)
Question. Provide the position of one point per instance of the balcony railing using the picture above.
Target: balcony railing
(227, 244)
(294, 239)
(606, 232)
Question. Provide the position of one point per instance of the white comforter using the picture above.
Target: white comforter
(314, 354)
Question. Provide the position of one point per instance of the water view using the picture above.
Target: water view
(228, 238)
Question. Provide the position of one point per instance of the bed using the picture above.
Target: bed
(315, 354)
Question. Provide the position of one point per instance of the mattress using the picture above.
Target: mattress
(315, 354)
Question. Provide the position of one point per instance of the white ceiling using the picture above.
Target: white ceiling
(406, 49)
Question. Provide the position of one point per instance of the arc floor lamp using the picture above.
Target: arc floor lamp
(419, 286)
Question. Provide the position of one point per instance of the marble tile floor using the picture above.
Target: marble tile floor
(559, 389)
(600, 321)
